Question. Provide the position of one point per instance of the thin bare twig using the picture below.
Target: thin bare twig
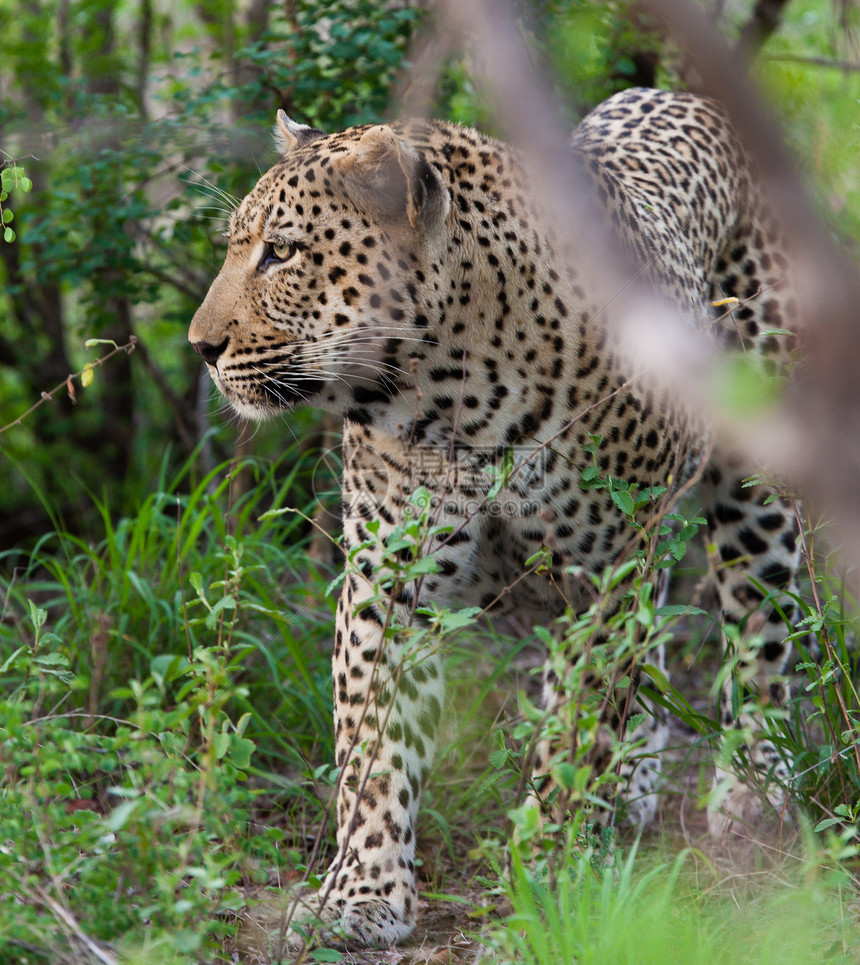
(66, 917)
(68, 381)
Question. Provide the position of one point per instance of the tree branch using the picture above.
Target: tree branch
(765, 20)
(813, 439)
(182, 418)
(846, 66)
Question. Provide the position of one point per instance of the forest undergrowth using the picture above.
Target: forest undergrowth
(167, 758)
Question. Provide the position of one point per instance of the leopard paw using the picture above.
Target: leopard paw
(302, 919)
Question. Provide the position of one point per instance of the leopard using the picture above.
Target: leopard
(407, 278)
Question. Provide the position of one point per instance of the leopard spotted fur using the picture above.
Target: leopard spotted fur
(402, 277)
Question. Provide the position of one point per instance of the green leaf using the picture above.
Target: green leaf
(225, 603)
(221, 743)
(736, 699)
(496, 488)
(326, 955)
(9, 235)
(827, 823)
(422, 567)
(634, 721)
(499, 758)
(679, 610)
(624, 501)
(657, 677)
(742, 391)
(186, 941)
(116, 820)
(37, 615)
(167, 666)
(529, 710)
(241, 750)
(457, 619)
(565, 775)
(7, 663)
(51, 660)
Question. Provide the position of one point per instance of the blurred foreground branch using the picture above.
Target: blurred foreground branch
(812, 439)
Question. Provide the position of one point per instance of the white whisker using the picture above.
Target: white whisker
(214, 190)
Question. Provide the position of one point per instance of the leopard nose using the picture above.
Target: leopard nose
(208, 352)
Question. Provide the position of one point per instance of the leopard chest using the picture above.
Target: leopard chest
(515, 520)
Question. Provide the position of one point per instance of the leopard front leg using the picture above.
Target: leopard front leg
(387, 705)
(388, 684)
(754, 536)
(594, 710)
(388, 701)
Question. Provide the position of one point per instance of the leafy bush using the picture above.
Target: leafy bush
(139, 731)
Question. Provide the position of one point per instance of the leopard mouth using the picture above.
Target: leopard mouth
(282, 395)
(265, 388)
(262, 399)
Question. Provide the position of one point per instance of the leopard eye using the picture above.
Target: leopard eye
(284, 252)
(277, 254)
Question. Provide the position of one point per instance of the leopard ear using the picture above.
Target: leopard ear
(393, 176)
(289, 135)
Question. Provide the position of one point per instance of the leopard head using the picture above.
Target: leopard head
(324, 271)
